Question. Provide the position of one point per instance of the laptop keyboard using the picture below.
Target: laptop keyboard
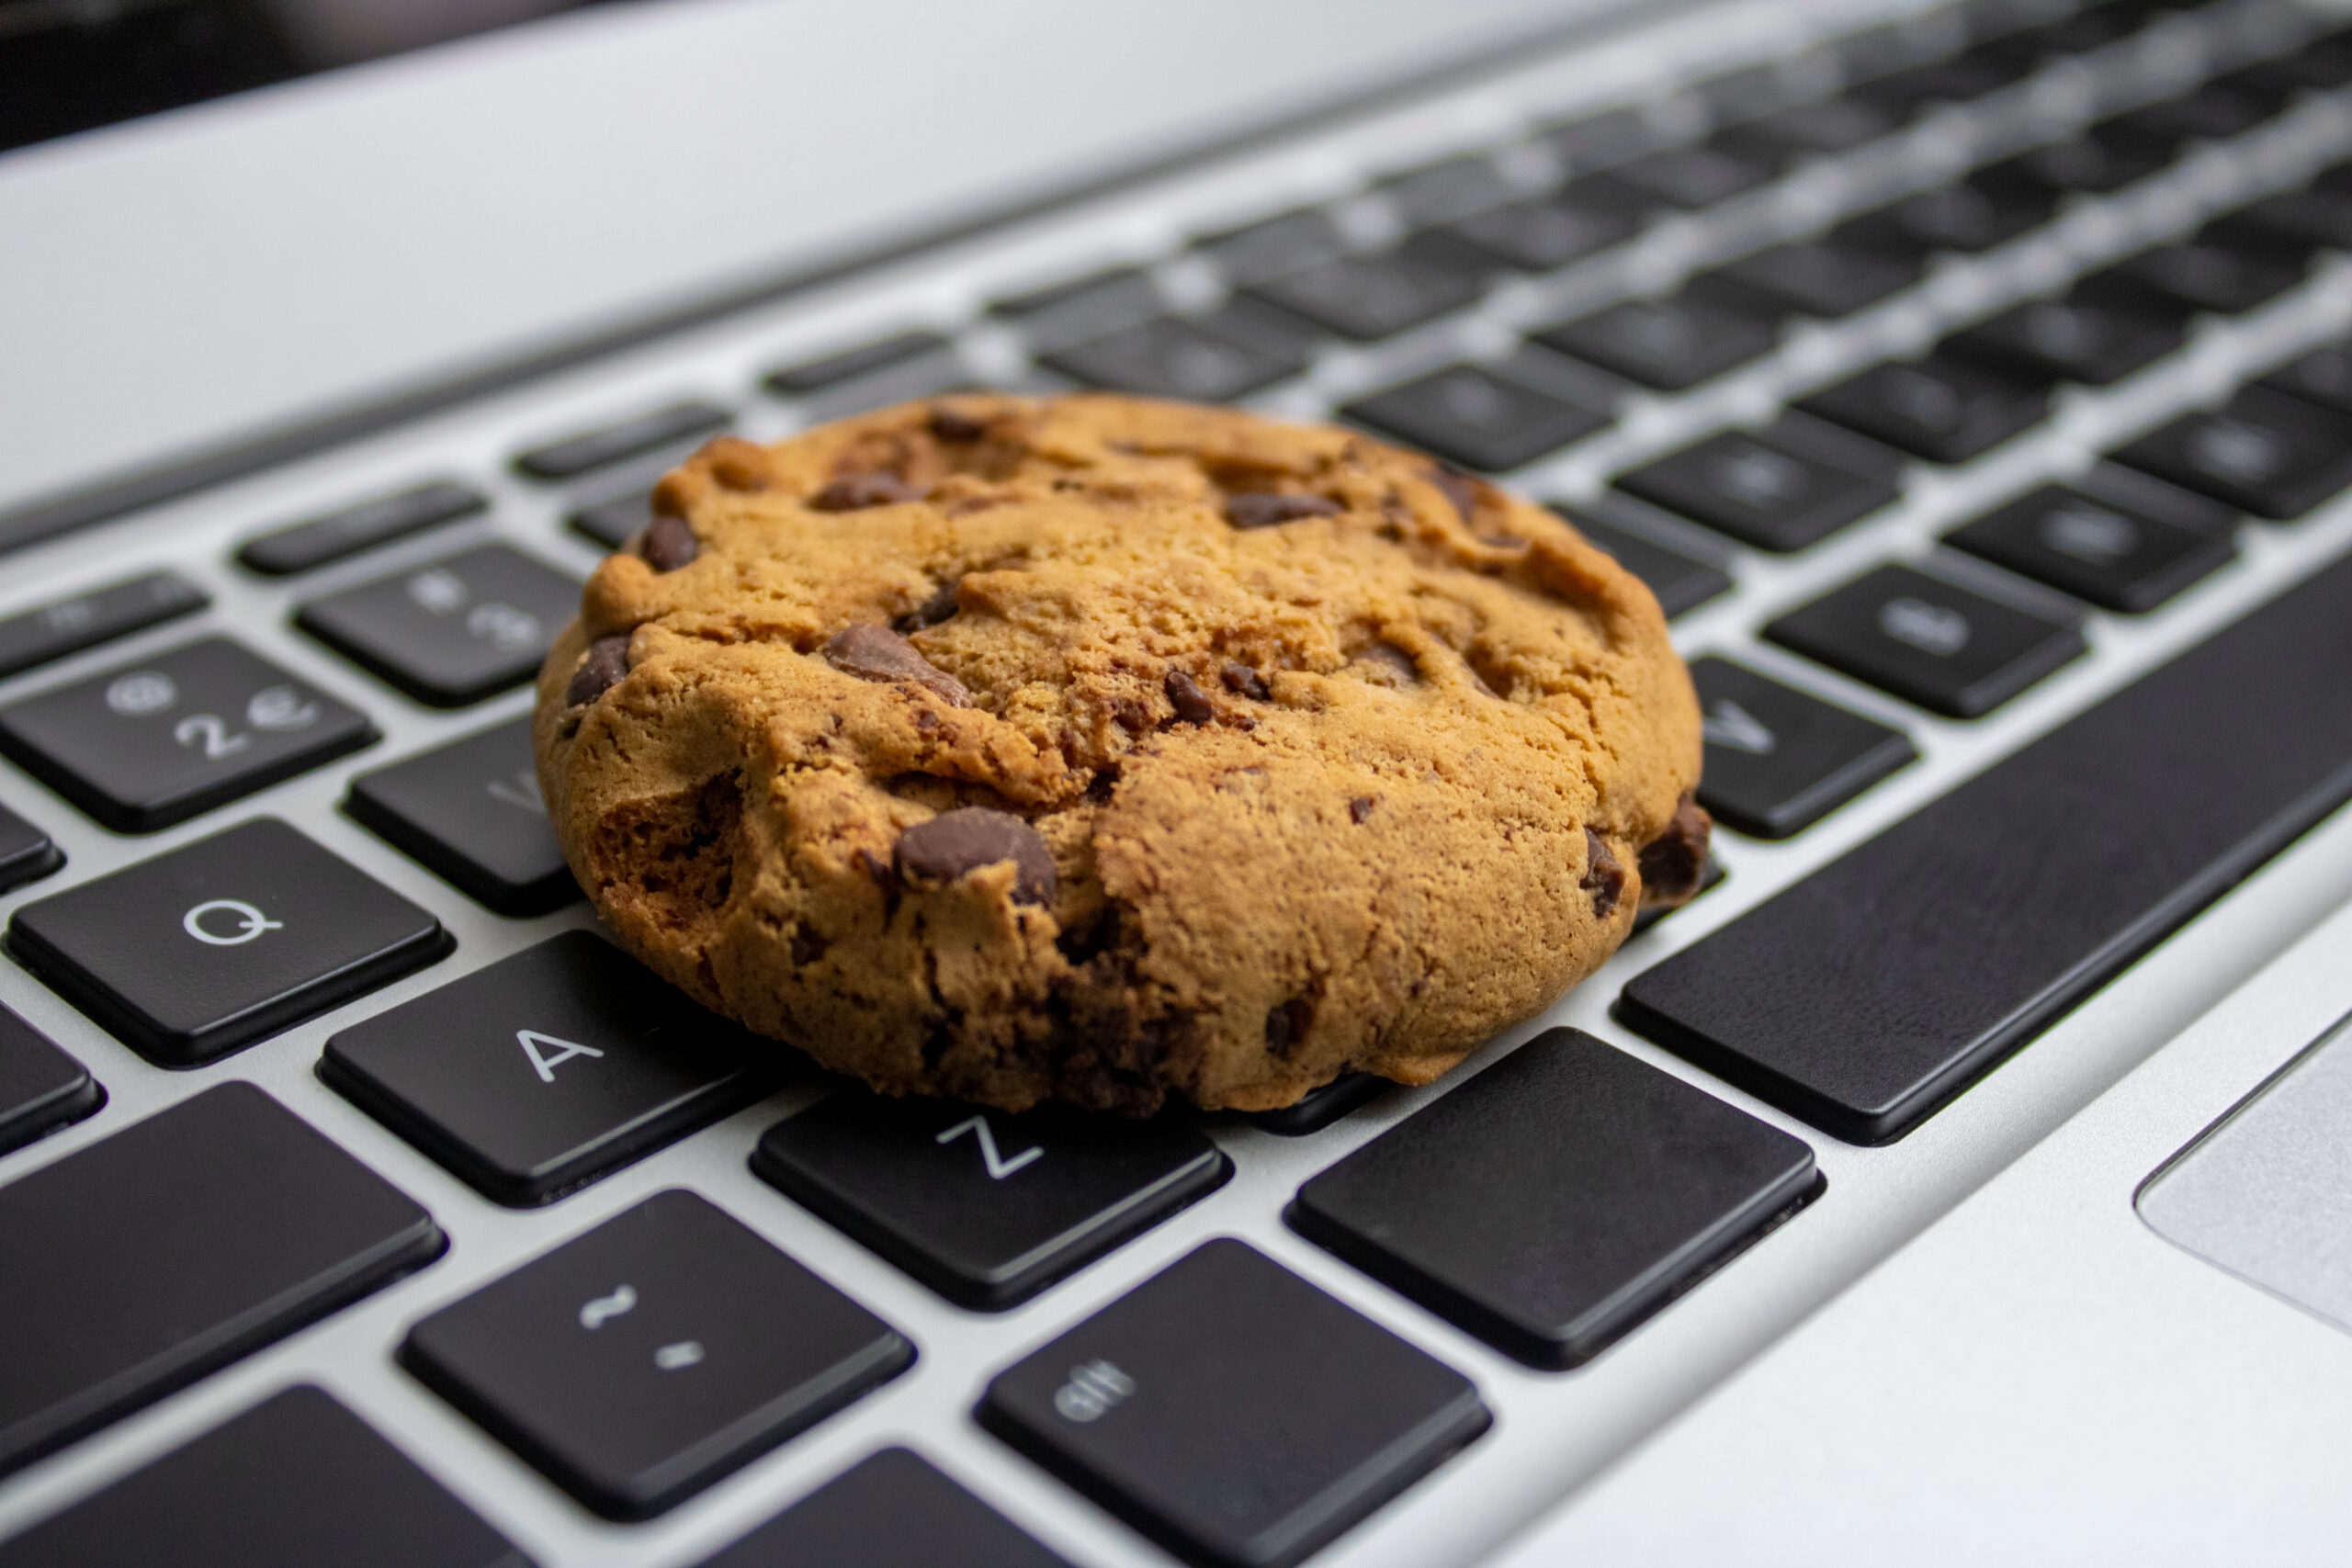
(1929, 375)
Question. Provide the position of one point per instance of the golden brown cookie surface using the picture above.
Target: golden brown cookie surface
(1100, 750)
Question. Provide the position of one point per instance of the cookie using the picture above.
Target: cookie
(1103, 750)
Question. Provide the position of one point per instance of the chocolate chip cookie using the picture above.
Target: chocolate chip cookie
(1101, 749)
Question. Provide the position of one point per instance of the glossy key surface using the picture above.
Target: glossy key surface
(891, 1511)
(1950, 649)
(1759, 490)
(1939, 408)
(2126, 547)
(452, 631)
(471, 811)
(1472, 416)
(2263, 451)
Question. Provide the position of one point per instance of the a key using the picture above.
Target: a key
(27, 854)
(68, 625)
(1443, 192)
(2322, 376)
(1320, 1107)
(1559, 1199)
(1759, 490)
(986, 1209)
(1273, 247)
(1082, 308)
(2263, 452)
(2099, 160)
(1867, 996)
(1956, 79)
(548, 1070)
(1820, 278)
(1376, 296)
(295, 1482)
(1232, 1411)
(1671, 344)
(2077, 34)
(573, 456)
(1681, 583)
(1210, 359)
(470, 811)
(2298, 221)
(1549, 232)
(1950, 649)
(1968, 216)
(147, 744)
(2068, 341)
(2128, 548)
(1470, 415)
(2212, 112)
(1823, 129)
(638, 1363)
(1942, 409)
(1602, 141)
(1694, 177)
(890, 1510)
(338, 535)
(2198, 274)
(210, 947)
(614, 519)
(175, 1247)
(1776, 760)
(41, 1087)
(1742, 94)
(850, 364)
(454, 631)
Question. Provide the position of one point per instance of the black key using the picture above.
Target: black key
(855, 364)
(2101, 159)
(1867, 996)
(1551, 230)
(296, 1482)
(470, 811)
(1950, 649)
(2068, 340)
(1759, 490)
(2212, 112)
(1559, 1199)
(576, 455)
(1694, 177)
(2077, 34)
(2225, 280)
(1273, 246)
(1942, 409)
(1376, 296)
(640, 1362)
(27, 854)
(207, 949)
(989, 1209)
(548, 1070)
(2322, 376)
(1445, 191)
(175, 1247)
(1469, 415)
(891, 1511)
(1823, 129)
(101, 615)
(41, 1087)
(1820, 278)
(2263, 452)
(146, 745)
(2125, 549)
(1779, 760)
(1957, 79)
(1319, 1108)
(315, 541)
(1603, 140)
(1084, 307)
(1741, 95)
(1681, 583)
(452, 632)
(1969, 215)
(1232, 1411)
(1671, 344)
(2293, 222)
(1209, 359)
(2320, 62)
(615, 520)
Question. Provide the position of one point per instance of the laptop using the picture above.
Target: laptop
(1963, 1169)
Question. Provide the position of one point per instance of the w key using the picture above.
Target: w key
(471, 811)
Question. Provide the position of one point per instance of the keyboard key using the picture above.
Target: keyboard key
(638, 1363)
(101, 615)
(1549, 232)
(1445, 191)
(175, 1247)
(1681, 583)
(1759, 490)
(1602, 141)
(208, 948)
(1692, 177)
(2297, 221)
(1232, 1411)
(1320, 1107)
(1950, 649)
(1779, 760)
(1082, 308)
(1469, 415)
(989, 1209)
(891, 1511)
(1273, 247)
(41, 1087)
(2212, 112)
(591, 449)
(470, 811)
(1559, 1199)
(1821, 279)
(548, 1070)
(2120, 554)
(1942, 409)
(855, 364)
(1671, 344)
(2100, 160)
(296, 1482)
(1867, 996)
(1209, 359)
(27, 854)
(1824, 128)
(316, 541)
(452, 632)
(1377, 296)
(2224, 280)
(2054, 340)
(2263, 452)
(615, 520)
(1957, 79)
(146, 745)
(1969, 215)
(2322, 376)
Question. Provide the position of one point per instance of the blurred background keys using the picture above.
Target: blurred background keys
(2108, 550)
(101, 615)
(2264, 452)
(1469, 415)
(573, 456)
(892, 1510)
(471, 810)
(1681, 581)
(316, 541)
(1759, 490)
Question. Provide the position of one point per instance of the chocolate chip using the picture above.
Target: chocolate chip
(1361, 807)
(1673, 863)
(1246, 681)
(1192, 704)
(1459, 487)
(1603, 877)
(1287, 1024)
(859, 491)
(940, 850)
(604, 667)
(940, 606)
(669, 544)
(877, 653)
(1390, 657)
(1262, 509)
(946, 424)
